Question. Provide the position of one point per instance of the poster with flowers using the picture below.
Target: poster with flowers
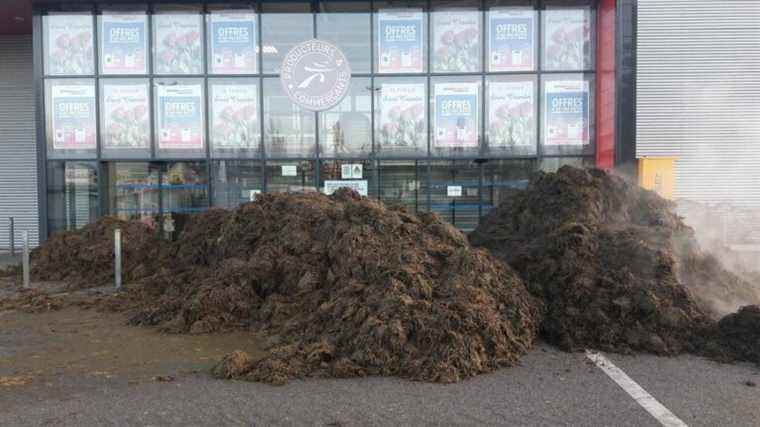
(126, 123)
(233, 43)
(73, 117)
(568, 39)
(567, 112)
(400, 37)
(234, 120)
(456, 41)
(510, 39)
(70, 45)
(177, 42)
(402, 117)
(125, 44)
(456, 115)
(511, 114)
(180, 117)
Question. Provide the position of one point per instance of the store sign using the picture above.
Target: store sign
(358, 186)
(454, 191)
(351, 171)
(316, 75)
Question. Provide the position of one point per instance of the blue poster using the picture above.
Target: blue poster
(73, 117)
(400, 41)
(567, 112)
(456, 115)
(124, 47)
(233, 43)
(511, 39)
(180, 122)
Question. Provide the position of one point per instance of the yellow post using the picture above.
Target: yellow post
(658, 174)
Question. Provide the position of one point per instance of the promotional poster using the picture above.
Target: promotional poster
(456, 41)
(456, 115)
(511, 113)
(73, 121)
(177, 42)
(233, 43)
(400, 37)
(234, 121)
(568, 35)
(567, 112)
(511, 40)
(70, 45)
(180, 122)
(126, 120)
(402, 116)
(125, 44)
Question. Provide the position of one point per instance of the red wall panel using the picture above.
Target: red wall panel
(605, 85)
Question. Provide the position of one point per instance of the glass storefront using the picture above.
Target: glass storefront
(177, 108)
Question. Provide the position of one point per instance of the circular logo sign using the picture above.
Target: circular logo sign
(315, 74)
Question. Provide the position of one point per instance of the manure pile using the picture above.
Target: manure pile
(615, 267)
(343, 286)
(84, 258)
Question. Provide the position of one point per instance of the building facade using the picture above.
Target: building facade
(153, 110)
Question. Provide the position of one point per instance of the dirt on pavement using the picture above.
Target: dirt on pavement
(39, 349)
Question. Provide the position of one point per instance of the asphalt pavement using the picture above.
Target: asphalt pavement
(548, 388)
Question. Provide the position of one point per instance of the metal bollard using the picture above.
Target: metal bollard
(12, 236)
(25, 261)
(117, 258)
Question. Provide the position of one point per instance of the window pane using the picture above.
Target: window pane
(69, 44)
(512, 39)
(282, 31)
(72, 195)
(501, 177)
(454, 192)
(177, 43)
(456, 41)
(401, 41)
(456, 106)
(289, 131)
(567, 39)
(236, 182)
(233, 42)
(511, 126)
(179, 118)
(401, 116)
(234, 108)
(291, 177)
(123, 43)
(346, 129)
(70, 116)
(568, 116)
(400, 183)
(133, 191)
(125, 118)
(184, 189)
(351, 33)
(356, 174)
(552, 164)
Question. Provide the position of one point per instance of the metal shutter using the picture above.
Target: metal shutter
(18, 151)
(698, 95)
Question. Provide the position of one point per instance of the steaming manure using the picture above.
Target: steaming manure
(616, 268)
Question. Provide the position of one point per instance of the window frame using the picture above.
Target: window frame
(261, 9)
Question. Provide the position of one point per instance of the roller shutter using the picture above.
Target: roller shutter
(698, 95)
(18, 152)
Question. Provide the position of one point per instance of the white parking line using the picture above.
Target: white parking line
(655, 408)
